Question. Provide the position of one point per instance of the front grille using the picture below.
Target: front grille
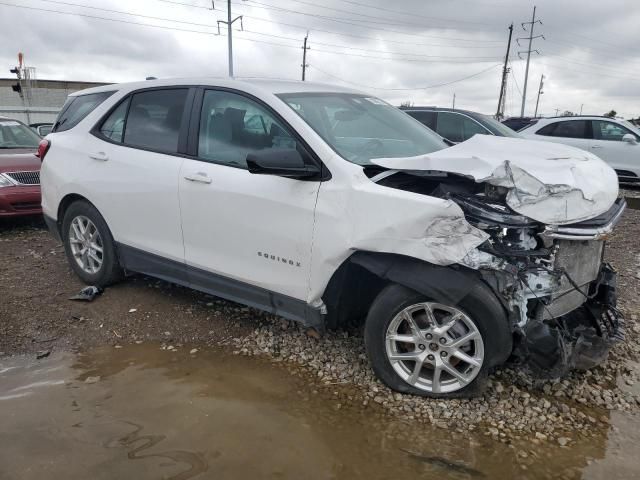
(25, 178)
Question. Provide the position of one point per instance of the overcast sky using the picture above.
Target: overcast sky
(393, 49)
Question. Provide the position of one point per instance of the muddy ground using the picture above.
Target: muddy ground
(36, 316)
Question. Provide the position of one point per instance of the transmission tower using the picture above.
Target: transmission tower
(530, 38)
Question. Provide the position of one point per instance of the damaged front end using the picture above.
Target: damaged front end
(553, 281)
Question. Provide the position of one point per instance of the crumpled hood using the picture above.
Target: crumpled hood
(548, 182)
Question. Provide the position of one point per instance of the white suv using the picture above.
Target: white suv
(323, 205)
(616, 141)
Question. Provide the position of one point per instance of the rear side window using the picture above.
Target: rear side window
(113, 126)
(567, 129)
(77, 108)
(426, 118)
(154, 119)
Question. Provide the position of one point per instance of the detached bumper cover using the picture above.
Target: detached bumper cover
(580, 339)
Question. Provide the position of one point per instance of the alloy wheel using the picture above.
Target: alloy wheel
(434, 347)
(86, 244)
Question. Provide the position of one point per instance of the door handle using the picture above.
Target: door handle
(99, 156)
(596, 146)
(198, 177)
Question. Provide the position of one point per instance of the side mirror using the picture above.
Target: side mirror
(629, 138)
(282, 162)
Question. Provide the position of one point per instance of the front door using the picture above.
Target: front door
(244, 233)
(608, 145)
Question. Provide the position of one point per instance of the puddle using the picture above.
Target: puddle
(140, 412)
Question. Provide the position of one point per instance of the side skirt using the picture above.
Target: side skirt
(136, 260)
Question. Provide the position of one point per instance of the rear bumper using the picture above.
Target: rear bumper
(20, 201)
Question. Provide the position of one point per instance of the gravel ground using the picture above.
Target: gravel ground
(35, 284)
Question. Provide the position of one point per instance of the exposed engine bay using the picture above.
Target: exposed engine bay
(551, 279)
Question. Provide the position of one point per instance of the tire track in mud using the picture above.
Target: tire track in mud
(197, 464)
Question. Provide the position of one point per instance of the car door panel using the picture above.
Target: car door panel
(136, 166)
(608, 145)
(255, 229)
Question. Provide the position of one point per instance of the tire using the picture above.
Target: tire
(491, 341)
(109, 270)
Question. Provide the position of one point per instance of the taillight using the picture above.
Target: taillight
(43, 148)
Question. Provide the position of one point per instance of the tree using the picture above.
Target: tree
(568, 113)
(407, 103)
(611, 114)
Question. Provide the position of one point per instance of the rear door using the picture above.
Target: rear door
(576, 133)
(135, 160)
(608, 145)
(243, 230)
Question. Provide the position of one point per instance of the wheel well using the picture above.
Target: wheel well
(349, 294)
(64, 204)
(361, 277)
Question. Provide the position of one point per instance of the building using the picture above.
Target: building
(39, 100)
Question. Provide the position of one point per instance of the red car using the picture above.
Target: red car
(19, 169)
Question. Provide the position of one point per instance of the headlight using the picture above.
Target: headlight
(5, 181)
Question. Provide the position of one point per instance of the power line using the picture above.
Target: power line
(408, 89)
(165, 27)
(377, 18)
(351, 35)
(411, 14)
(350, 22)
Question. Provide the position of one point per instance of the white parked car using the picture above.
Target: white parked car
(615, 141)
(323, 205)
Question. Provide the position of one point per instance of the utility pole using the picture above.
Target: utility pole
(557, 110)
(540, 92)
(454, 101)
(532, 24)
(304, 56)
(581, 108)
(229, 24)
(505, 72)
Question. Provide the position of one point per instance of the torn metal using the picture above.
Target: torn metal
(532, 221)
(547, 182)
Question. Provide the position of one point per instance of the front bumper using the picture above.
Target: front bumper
(581, 339)
(19, 201)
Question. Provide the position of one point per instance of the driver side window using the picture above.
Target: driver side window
(232, 126)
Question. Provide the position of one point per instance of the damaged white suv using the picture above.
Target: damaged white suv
(326, 205)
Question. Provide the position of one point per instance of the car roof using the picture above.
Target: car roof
(265, 85)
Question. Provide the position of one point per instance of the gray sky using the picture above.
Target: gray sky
(591, 54)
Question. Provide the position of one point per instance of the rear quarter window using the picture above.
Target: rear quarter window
(75, 109)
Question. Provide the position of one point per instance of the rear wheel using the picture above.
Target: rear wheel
(89, 245)
(427, 347)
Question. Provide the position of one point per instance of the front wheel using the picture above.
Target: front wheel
(89, 245)
(427, 347)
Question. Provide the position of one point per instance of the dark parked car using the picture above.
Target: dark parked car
(19, 169)
(458, 125)
(518, 123)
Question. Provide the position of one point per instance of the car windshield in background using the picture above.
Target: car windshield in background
(361, 128)
(502, 130)
(14, 134)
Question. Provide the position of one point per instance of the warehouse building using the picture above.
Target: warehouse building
(36, 101)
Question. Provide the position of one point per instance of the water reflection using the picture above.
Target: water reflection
(141, 412)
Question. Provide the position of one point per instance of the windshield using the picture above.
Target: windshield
(502, 130)
(14, 134)
(361, 128)
(629, 125)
